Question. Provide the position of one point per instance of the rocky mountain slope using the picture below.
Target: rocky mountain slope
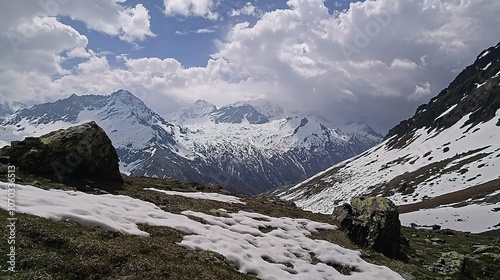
(235, 146)
(445, 158)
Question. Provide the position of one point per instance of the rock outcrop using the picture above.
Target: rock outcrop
(83, 153)
(372, 222)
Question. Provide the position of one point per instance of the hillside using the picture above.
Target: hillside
(161, 229)
(443, 161)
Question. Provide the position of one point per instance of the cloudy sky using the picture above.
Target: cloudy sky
(372, 61)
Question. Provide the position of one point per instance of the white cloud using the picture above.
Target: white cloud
(248, 9)
(198, 31)
(420, 91)
(376, 61)
(375, 50)
(135, 24)
(154, 65)
(107, 16)
(201, 8)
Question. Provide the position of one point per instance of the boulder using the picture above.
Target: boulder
(372, 222)
(83, 153)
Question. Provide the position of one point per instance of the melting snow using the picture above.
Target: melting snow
(447, 111)
(202, 195)
(487, 66)
(237, 237)
(472, 218)
(484, 54)
(479, 85)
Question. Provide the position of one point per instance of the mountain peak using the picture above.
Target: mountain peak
(361, 128)
(270, 109)
(201, 102)
(128, 99)
(198, 110)
(473, 92)
(238, 112)
(122, 92)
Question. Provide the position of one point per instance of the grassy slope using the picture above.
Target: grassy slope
(66, 250)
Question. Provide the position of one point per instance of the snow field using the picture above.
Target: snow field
(474, 218)
(238, 236)
(202, 195)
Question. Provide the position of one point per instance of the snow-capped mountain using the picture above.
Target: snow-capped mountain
(238, 113)
(199, 109)
(234, 146)
(134, 129)
(448, 153)
(271, 110)
(273, 151)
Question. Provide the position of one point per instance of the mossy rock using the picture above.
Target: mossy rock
(83, 153)
(373, 222)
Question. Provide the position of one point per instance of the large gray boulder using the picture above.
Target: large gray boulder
(83, 153)
(372, 222)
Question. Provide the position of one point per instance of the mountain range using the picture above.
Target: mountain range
(235, 146)
(440, 166)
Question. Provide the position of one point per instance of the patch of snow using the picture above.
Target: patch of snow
(446, 112)
(265, 254)
(484, 54)
(202, 195)
(479, 85)
(237, 237)
(486, 67)
(473, 218)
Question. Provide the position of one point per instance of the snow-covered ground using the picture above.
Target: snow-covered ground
(202, 195)
(237, 236)
(473, 218)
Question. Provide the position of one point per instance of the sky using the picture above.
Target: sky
(372, 61)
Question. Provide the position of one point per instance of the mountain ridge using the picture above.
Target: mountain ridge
(235, 145)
